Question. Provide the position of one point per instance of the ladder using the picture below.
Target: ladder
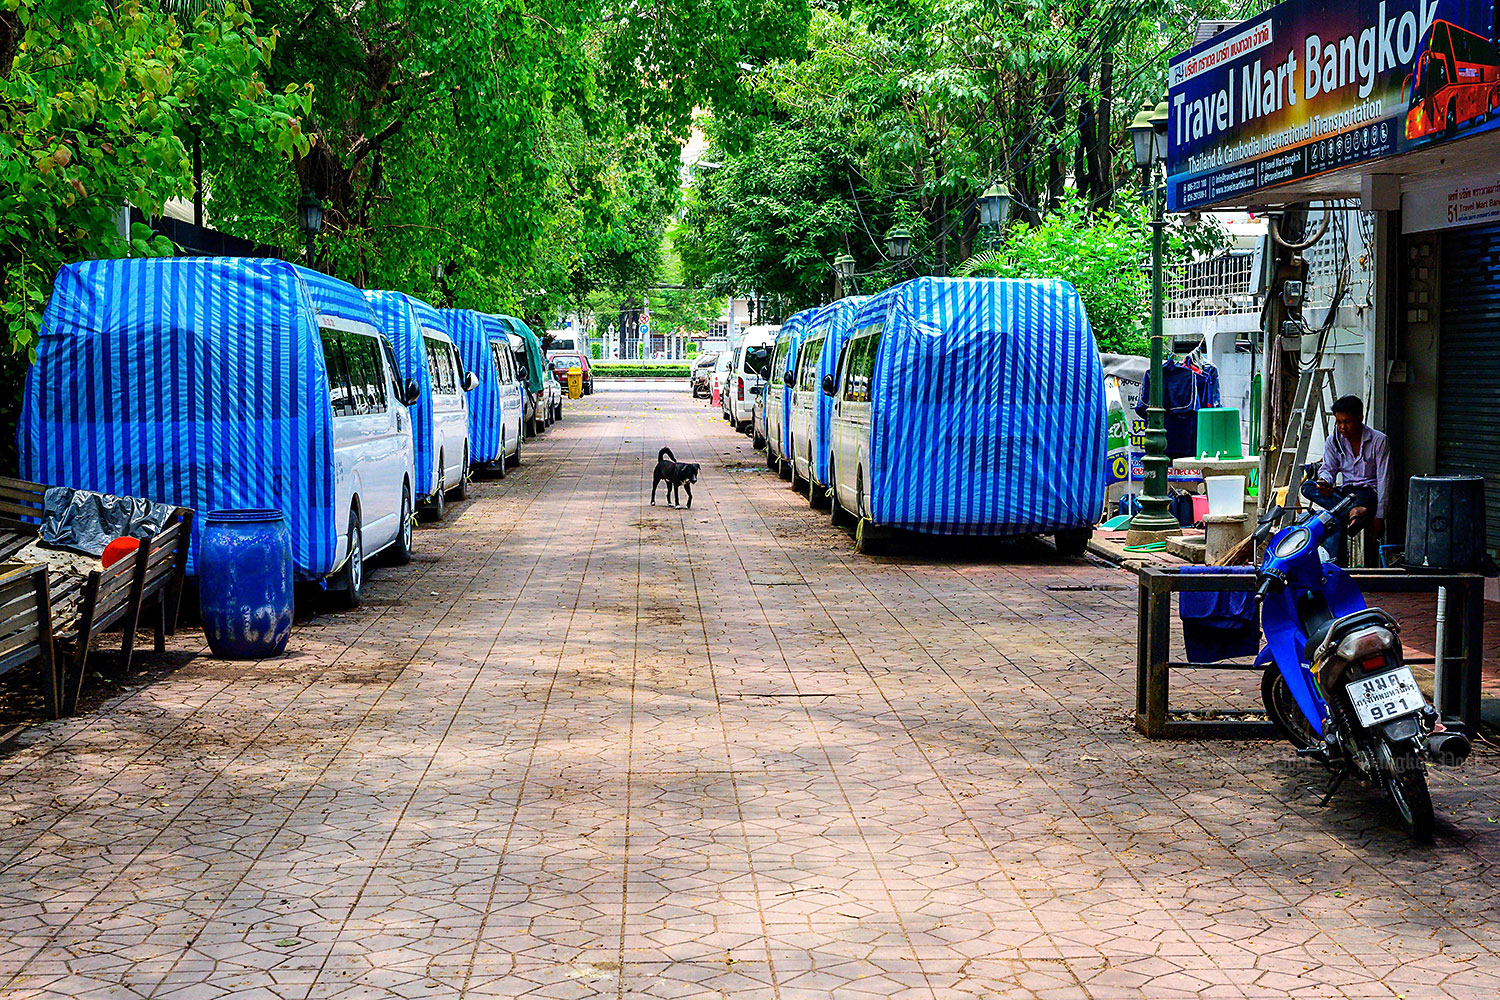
(1313, 400)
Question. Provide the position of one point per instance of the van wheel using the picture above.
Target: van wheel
(400, 550)
(461, 492)
(771, 461)
(1072, 544)
(837, 516)
(349, 582)
(798, 483)
(784, 468)
(514, 460)
(437, 507)
(559, 412)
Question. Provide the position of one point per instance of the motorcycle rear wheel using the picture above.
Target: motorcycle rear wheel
(1282, 709)
(1406, 783)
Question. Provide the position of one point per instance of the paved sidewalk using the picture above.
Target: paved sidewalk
(585, 747)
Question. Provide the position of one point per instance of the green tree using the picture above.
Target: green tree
(95, 103)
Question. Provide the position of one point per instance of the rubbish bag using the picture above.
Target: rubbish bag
(85, 521)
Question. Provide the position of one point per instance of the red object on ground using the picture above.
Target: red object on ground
(116, 550)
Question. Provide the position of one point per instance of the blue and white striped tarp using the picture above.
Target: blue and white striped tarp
(796, 326)
(396, 314)
(834, 322)
(192, 381)
(988, 413)
(471, 335)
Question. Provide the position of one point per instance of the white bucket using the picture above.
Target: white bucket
(1226, 495)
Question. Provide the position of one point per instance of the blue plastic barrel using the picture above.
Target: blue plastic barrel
(245, 583)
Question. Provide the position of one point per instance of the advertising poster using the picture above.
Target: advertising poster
(1309, 87)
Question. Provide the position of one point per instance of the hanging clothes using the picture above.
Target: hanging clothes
(1186, 389)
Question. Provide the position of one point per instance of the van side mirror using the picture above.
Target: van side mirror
(413, 393)
(788, 379)
(830, 387)
(471, 381)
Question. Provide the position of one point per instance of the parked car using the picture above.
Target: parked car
(529, 363)
(555, 395)
(748, 367)
(701, 378)
(779, 391)
(970, 406)
(440, 417)
(561, 361)
(495, 405)
(825, 333)
(716, 386)
(218, 382)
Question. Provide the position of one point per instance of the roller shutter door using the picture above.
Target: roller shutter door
(1468, 425)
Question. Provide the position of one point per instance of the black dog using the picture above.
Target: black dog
(677, 475)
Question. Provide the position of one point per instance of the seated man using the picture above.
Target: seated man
(1362, 455)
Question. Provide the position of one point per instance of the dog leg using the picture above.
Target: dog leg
(656, 481)
(689, 488)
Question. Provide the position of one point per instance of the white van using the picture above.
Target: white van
(252, 384)
(373, 453)
(721, 373)
(566, 341)
(748, 368)
(440, 417)
(450, 418)
(805, 390)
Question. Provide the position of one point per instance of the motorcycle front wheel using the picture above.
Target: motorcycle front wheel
(1282, 709)
(1406, 783)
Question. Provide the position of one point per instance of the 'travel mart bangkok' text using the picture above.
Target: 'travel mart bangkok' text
(1316, 67)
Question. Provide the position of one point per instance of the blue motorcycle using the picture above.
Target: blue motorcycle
(1336, 684)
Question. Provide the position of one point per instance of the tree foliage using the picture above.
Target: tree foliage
(97, 103)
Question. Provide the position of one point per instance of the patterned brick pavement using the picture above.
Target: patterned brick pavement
(585, 747)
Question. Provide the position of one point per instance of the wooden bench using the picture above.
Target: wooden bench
(148, 580)
(26, 627)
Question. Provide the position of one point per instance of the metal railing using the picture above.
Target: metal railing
(1216, 286)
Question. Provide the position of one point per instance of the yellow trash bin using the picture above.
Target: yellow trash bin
(575, 383)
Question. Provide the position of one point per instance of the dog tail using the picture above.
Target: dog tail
(665, 453)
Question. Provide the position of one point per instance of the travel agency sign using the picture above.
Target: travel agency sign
(1310, 86)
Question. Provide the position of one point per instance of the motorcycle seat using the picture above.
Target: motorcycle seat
(1340, 627)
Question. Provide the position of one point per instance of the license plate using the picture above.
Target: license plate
(1386, 696)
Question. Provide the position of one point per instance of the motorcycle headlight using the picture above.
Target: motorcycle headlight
(1291, 543)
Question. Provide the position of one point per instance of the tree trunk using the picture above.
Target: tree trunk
(1102, 160)
(1057, 110)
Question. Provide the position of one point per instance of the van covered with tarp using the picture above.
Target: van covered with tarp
(203, 382)
(495, 404)
(972, 406)
(822, 342)
(532, 363)
(779, 392)
(439, 418)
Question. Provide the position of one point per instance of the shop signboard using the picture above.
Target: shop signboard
(1310, 86)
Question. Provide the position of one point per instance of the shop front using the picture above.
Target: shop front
(1387, 107)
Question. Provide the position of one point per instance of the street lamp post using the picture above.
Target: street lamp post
(995, 208)
(843, 267)
(898, 243)
(1148, 133)
(310, 218)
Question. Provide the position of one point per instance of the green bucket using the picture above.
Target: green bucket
(1219, 433)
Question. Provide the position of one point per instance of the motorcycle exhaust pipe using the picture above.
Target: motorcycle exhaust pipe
(1449, 748)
